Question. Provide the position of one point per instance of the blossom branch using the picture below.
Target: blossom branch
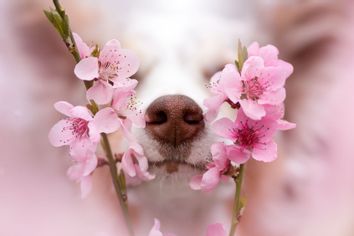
(118, 181)
(60, 21)
(238, 205)
(103, 162)
(254, 87)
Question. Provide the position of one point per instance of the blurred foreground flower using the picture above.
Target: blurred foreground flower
(212, 230)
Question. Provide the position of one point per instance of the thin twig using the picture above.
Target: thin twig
(236, 210)
(118, 180)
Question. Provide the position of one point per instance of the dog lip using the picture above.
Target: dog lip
(167, 163)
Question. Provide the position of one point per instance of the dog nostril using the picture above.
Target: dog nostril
(193, 118)
(174, 119)
(157, 118)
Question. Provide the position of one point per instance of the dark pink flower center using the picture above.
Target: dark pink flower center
(109, 71)
(247, 136)
(252, 88)
(79, 127)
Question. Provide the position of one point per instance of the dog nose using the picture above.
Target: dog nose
(174, 119)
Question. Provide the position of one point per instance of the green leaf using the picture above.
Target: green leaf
(242, 55)
(58, 23)
(96, 51)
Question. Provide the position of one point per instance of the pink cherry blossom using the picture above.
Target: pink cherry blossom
(81, 171)
(126, 105)
(110, 70)
(134, 162)
(261, 83)
(155, 231)
(215, 169)
(222, 84)
(83, 48)
(81, 129)
(212, 230)
(250, 136)
(216, 230)
(221, 156)
(268, 53)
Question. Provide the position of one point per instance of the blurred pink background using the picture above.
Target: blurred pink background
(308, 192)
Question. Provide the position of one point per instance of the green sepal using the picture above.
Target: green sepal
(242, 56)
(58, 22)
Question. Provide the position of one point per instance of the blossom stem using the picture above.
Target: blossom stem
(69, 38)
(237, 207)
(118, 181)
(60, 21)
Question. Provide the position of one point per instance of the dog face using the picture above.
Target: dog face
(180, 47)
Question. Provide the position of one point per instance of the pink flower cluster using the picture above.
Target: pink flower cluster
(113, 90)
(258, 92)
(212, 230)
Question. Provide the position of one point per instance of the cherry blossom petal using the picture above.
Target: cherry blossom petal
(137, 148)
(231, 83)
(210, 179)
(128, 164)
(82, 112)
(214, 83)
(61, 133)
(269, 53)
(106, 121)
(273, 97)
(196, 182)
(125, 84)
(82, 47)
(129, 63)
(82, 147)
(286, 68)
(252, 109)
(126, 127)
(94, 134)
(143, 174)
(155, 231)
(265, 152)
(137, 117)
(90, 165)
(75, 172)
(121, 99)
(100, 92)
(109, 52)
(213, 104)
(224, 128)
(253, 49)
(237, 155)
(64, 107)
(285, 125)
(218, 152)
(85, 186)
(252, 67)
(216, 230)
(275, 112)
(87, 69)
(84, 166)
(142, 161)
(230, 71)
